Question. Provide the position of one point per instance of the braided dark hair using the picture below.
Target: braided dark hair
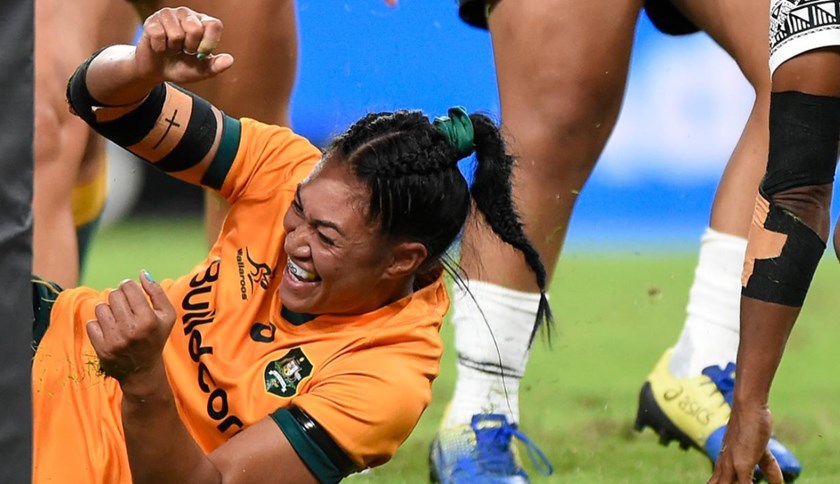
(419, 194)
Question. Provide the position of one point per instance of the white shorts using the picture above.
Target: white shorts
(797, 26)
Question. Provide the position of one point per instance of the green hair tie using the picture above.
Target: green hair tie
(457, 128)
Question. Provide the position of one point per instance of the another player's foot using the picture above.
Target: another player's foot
(482, 452)
(695, 411)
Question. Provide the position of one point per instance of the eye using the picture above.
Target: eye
(296, 206)
(326, 240)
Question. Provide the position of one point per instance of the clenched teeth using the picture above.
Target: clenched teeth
(300, 273)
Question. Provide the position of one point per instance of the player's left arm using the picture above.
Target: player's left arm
(128, 335)
(355, 414)
(369, 402)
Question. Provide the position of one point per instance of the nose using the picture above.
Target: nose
(297, 243)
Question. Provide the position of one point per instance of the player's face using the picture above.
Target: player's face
(336, 257)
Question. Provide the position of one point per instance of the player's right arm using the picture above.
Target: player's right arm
(129, 95)
(126, 93)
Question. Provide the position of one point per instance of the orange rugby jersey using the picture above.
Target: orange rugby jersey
(232, 358)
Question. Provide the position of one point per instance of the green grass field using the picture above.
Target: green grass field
(616, 313)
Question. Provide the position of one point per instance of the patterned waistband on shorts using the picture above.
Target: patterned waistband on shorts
(797, 26)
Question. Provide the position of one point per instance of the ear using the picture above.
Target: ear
(406, 258)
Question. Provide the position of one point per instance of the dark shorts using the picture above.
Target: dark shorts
(44, 294)
(661, 12)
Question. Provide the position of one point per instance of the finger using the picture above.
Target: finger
(723, 472)
(770, 468)
(212, 35)
(119, 305)
(136, 298)
(722, 476)
(174, 32)
(193, 30)
(157, 296)
(108, 327)
(744, 474)
(97, 338)
(154, 34)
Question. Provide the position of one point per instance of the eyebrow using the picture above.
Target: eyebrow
(318, 222)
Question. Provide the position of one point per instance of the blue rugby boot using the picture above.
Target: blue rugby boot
(695, 411)
(482, 453)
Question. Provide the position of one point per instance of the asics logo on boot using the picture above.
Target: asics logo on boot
(672, 393)
(687, 405)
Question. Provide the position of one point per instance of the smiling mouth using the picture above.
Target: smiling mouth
(300, 273)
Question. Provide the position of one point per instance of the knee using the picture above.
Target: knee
(802, 156)
(59, 144)
(809, 203)
(756, 73)
(47, 129)
(560, 133)
(578, 112)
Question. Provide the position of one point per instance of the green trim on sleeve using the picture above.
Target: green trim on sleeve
(44, 294)
(215, 175)
(312, 456)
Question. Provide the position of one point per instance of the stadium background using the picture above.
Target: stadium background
(684, 109)
(621, 287)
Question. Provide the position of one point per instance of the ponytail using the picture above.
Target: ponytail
(492, 192)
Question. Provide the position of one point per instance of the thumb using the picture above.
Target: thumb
(770, 468)
(220, 63)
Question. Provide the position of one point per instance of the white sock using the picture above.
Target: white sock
(483, 344)
(711, 331)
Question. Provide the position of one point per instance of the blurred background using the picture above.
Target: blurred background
(684, 109)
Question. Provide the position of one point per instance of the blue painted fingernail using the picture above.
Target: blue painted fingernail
(201, 56)
(148, 276)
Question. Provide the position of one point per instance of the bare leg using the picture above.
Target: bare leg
(559, 104)
(710, 334)
(66, 33)
(561, 82)
(560, 101)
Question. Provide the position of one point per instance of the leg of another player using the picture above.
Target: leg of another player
(263, 40)
(837, 240)
(708, 344)
(561, 68)
(91, 187)
(710, 335)
(786, 241)
(66, 32)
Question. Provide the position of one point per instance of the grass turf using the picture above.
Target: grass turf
(616, 313)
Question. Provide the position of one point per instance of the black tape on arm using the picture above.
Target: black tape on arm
(78, 96)
(125, 130)
(172, 128)
(196, 140)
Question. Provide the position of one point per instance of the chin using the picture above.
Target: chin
(295, 304)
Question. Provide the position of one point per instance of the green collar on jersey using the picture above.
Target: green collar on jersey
(297, 319)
